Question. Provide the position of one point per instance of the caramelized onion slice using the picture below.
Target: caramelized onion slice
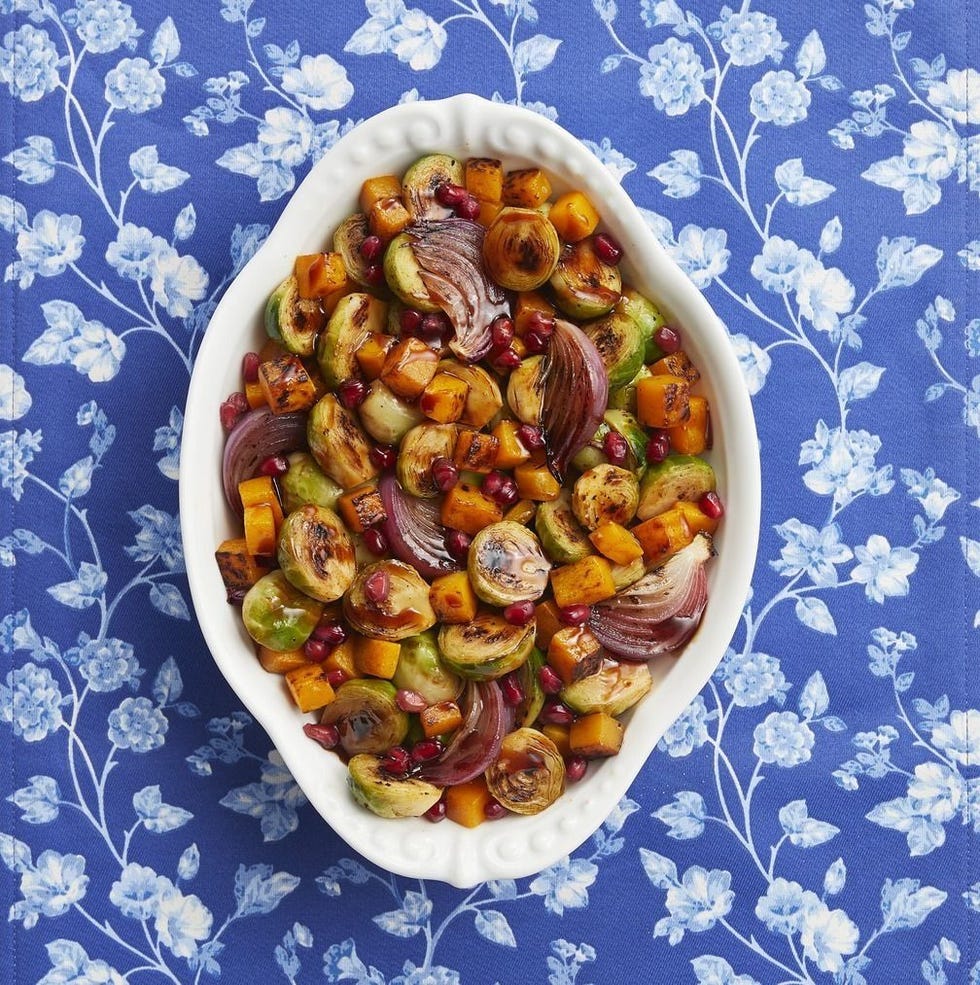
(415, 531)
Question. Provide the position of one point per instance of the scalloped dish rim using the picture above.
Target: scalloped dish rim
(465, 125)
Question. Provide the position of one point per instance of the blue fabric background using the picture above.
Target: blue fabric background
(813, 817)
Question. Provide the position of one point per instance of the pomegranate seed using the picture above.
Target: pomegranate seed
(274, 465)
(396, 761)
(469, 208)
(433, 327)
(658, 447)
(530, 437)
(616, 448)
(550, 682)
(410, 701)
(607, 249)
(539, 322)
(375, 274)
(331, 633)
(574, 615)
(509, 493)
(352, 393)
(375, 541)
(383, 457)
(410, 321)
(502, 332)
(450, 195)
(377, 585)
(232, 409)
(494, 810)
(519, 613)
(426, 749)
(458, 543)
(507, 359)
(510, 686)
(710, 505)
(436, 813)
(370, 248)
(337, 677)
(555, 713)
(667, 339)
(536, 342)
(575, 767)
(327, 735)
(445, 473)
(315, 650)
(250, 367)
(492, 484)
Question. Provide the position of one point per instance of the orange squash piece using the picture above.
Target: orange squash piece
(341, 658)
(527, 188)
(573, 216)
(238, 567)
(260, 491)
(559, 735)
(452, 598)
(309, 687)
(376, 658)
(440, 718)
(409, 367)
(663, 401)
(466, 508)
(485, 178)
(697, 520)
(362, 507)
(260, 530)
(466, 803)
(595, 735)
(574, 653)
(287, 385)
(586, 581)
(510, 451)
(444, 399)
(254, 394)
(281, 661)
(663, 535)
(676, 364)
(371, 354)
(320, 274)
(615, 542)
(488, 212)
(523, 511)
(536, 482)
(691, 437)
(388, 217)
(527, 304)
(378, 188)
(546, 624)
(475, 451)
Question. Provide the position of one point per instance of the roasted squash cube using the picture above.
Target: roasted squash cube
(691, 437)
(586, 581)
(485, 178)
(254, 394)
(260, 530)
(320, 274)
(378, 188)
(309, 687)
(282, 661)
(238, 568)
(444, 399)
(527, 188)
(595, 735)
(528, 306)
(372, 352)
(615, 542)
(488, 212)
(523, 511)
(677, 364)
(510, 450)
(440, 718)
(376, 658)
(574, 652)
(362, 507)
(697, 519)
(475, 451)
(546, 623)
(260, 491)
(466, 803)
(409, 367)
(452, 598)
(663, 401)
(341, 658)
(663, 535)
(388, 217)
(559, 735)
(573, 216)
(536, 482)
(466, 508)
(287, 385)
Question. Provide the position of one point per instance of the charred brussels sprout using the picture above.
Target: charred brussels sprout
(278, 615)
(420, 668)
(506, 564)
(367, 716)
(528, 774)
(521, 249)
(387, 795)
(315, 552)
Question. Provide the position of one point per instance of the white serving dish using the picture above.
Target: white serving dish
(464, 125)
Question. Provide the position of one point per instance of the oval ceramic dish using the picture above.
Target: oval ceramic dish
(464, 126)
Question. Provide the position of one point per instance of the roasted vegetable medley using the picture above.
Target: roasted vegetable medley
(468, 467)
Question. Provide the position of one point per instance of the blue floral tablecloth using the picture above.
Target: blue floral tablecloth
(814, 815)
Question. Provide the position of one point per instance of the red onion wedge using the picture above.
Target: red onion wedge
(450, 255)
(486, 720)
(661, 611)
(414, 530)
(258, 435)
(576, 387)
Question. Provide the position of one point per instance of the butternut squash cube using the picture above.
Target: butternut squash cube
(260, 530)
(584, 582)
(527, 304)
(440, 718)
(663, 401)
(663, 535)
(376, 658)
(488, 212)
(309, 687)
(546, 624)
(281, 661)
(676, 364)
(341, 658)
(271, 348)
(287, 385)
(452, 598)
(260, 491)
(523, 511)
(378, 188)
(319, 274)
(697, 520)
(527, 188)
(574, 653)
(371, 354)
(691, 437)
(466, 803)
(444, 399)
(573, 216)
(238, 567)
(559, 735)
(510, 451)
(475, 451)
(615, 542)
(254, 394)
(409, 367)
(485, 178)
(388, 217)
(595, 735)
(362, 507)
(466, 508)
(536, 482)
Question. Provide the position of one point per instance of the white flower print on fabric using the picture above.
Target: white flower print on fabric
(319, 83)
(29, 63)
(779, 98)
(673, 77)
(135, 85)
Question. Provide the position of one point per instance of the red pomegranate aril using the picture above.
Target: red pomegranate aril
(549, 680)
(331, 633)
(445, 473)
(510, 687)
(616, 448)
(555, 713)
(509, 493)
(450, 195)
(711, 506)
(397, 761)
(575, 768)
(337, 677)
(658, 447)
(410, 701)
(315, 650)
(371, 248)
(426, 749)
(530, 437)
(410, 321)
(574, 615)
(250, 367)
(377, 585)
(327, 735)
(383, 457)
(375, 274)
(352, 393)
(492, 484)
(519, 613)
(233, 408)
(494, 810)
(436, 813)
(507, 359)
(502, 332)
(667, 339)
(536, 342)
(458, 544)
(539, 322)
(274, 465)
(432, 327)
(607, 249)
(375, 541)
(469, 208)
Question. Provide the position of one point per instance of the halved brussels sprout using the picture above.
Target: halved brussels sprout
(386, 416)
(483, 399)
(293, 320)
(367, 716)
(387, 795)
(353, 320)
(584, 286)
(525, 390)
(620, 345)
(624, 575)
(534, 697)
(305, 482)
(625, 397)
(316, 553)
(528, 774)
(521, 249)
(562, 537)
(648, 319)
(278, 615)
(338, 444)
(614, 689)
(420, 668)
(606, 492)
(404, 612)
(421, 181)
(676, 477)
(506, 564)
(404, 277)
(624, 424)
(487, 647)
(347, 242)
(419, 449)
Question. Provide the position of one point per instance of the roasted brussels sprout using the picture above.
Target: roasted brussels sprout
(338, 444)
(528, 774)
(367, 716)
(278, 615)
(676, 477)
(305, 482)
(485, 648)
(404, 277)
(387, 795)
(521, 249)
(606, 492)
(419, 449)
(293, 320)
(506, 564)
(562, 537)
(584, 286)
(315, 552)
(386, 416)
(353, 320)
(620, 345)
(401, 611)
(422, 180)
(614, 689)
(420, 668)
(483, 399)
(647, 317)
(525, 390)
